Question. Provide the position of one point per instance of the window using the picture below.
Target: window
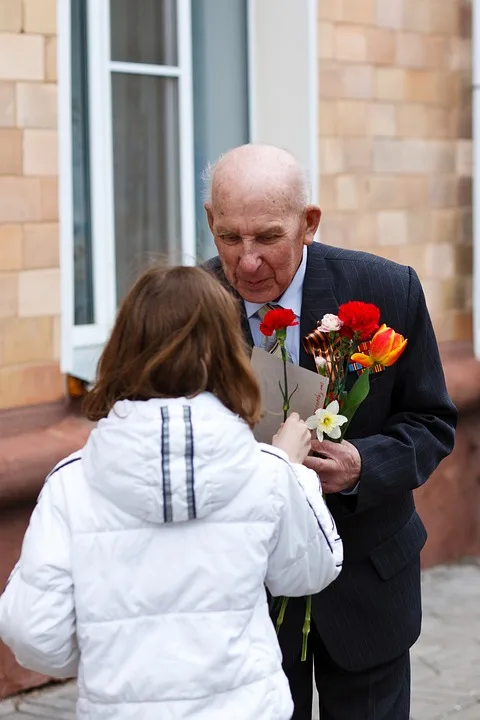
(150, 91)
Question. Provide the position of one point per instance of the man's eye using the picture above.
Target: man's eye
(230, 239)
(267, 238)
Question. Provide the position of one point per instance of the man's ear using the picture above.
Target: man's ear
(209, 211)
(312, 215)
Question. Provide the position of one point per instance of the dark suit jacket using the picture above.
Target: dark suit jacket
(372, 612)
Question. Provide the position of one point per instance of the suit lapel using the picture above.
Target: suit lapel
(318, 297)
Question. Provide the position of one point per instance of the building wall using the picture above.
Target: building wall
(395, 141)
(29, 242)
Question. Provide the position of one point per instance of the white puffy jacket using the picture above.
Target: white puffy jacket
(144, 565)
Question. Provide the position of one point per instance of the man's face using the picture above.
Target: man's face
(260, 242)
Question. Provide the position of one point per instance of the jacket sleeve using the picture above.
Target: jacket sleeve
(37, 614)
(308, 552)
(421, 428)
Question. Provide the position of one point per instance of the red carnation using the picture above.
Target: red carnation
(359, 318)
(277, 319)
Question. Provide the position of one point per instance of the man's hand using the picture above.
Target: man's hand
(338, 467)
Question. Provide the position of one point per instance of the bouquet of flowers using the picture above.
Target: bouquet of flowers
(351, 341)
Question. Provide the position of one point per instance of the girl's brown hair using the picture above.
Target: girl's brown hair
(177, 334)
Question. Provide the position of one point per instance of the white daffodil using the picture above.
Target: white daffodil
(328, 421)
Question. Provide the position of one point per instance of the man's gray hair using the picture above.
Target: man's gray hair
(208, 174)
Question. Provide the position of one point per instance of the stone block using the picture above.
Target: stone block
(326, 40)
(392, 227)
(49, 198)
(40, 16)
(328, 197)
(465, 191)
(347, 192)
(389, 14)
(463, 259)
(7, 104)
(330, 9)
(415, 191)
(22, 57)
(331, 156)
(36, 105)
(361, 231)
(57, 337)
(357, 81)
(40, 152)
(30, 385)
(39, 293)
(412, 120)
(51, 59)
(389, 83)
(416, 16)
(464, 158)
(333, 229)
(443, 191)
(441, 156)
(439, 123)
(41, 245)
(357, 154)
(8, 294)
(27, 340)
(352, 118)
(382, 120)
(460, 54)
(388, 156)
(10, 151)
(350, 43)
(440, 261)
(327, 114)
(421, 86)
(410, 50)
(436, 52)
(10, 16)
(418, 226)
(380, 46)
(359, 12)
(20, 199)
(330, 79)
(444, 18)
(10, 247)
(444, 226)
(384, 192)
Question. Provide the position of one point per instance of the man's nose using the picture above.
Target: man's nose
(249, 262)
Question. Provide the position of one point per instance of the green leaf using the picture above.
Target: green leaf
(354, 398)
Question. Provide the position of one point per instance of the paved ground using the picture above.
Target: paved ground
(446, 659)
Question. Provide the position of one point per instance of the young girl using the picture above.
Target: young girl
(144, 567)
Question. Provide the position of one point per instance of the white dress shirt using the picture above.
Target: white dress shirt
(290, 300)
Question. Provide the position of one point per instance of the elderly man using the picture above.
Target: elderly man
(365, 623)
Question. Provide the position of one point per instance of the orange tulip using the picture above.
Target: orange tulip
(385, 348)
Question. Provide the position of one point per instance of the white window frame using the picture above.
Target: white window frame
(81, 344)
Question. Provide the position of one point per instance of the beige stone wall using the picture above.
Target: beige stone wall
(395, 141)
(29, 243)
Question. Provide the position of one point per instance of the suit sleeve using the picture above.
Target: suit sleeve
(308, 552)
(420, 430)
(37, 614)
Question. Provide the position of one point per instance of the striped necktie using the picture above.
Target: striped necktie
(271, 344)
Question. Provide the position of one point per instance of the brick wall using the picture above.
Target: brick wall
(395, 141)
(29, 243)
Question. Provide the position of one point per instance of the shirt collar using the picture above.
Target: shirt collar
(292, 297)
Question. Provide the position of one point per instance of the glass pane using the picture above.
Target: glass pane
(82, 228)
(144, 31)
(220, 92)
(146, 173)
